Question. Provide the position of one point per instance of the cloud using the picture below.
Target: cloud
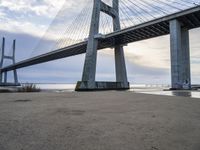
(34, 16)
(43, 8)
(150, 53)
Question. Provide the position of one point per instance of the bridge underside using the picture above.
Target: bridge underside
(188, 19)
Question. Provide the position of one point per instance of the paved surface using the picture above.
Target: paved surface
(98, 121)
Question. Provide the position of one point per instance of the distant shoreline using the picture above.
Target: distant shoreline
(144, 89)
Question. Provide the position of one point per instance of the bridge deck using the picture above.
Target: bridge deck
(190, 19)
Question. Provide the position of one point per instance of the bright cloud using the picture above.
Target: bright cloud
(34, 16)
(46, 8)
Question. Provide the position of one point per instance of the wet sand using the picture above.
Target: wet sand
(98, 121)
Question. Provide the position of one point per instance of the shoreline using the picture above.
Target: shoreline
(148, 90)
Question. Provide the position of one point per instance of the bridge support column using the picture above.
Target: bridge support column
(13, 59)
(121, 76)
(88, 78)
(3, 79)
(180, 56)
(89, 71)
(120, 65)
(1, 62)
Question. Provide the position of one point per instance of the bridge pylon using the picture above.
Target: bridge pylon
(180, 56)
(88, 78)
(3, 75)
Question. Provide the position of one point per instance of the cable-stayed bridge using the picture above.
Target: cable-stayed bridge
(126, 21)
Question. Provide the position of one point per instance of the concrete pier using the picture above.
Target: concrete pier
(180, 56)
(89, 72)
(120, 65)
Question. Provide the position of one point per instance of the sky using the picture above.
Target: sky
(32, 23)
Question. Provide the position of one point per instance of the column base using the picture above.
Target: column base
(10, 84)
(100, 86)
(181, 88)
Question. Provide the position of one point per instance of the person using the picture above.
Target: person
(186, 85)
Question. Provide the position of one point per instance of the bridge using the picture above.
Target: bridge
(176, 24)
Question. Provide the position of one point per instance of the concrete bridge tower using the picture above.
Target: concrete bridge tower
(88, 78)
(3, 75)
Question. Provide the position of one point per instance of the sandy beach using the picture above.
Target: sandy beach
(98, 121)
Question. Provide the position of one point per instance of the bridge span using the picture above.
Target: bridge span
(177, 25)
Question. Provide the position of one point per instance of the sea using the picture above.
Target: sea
(154, 89)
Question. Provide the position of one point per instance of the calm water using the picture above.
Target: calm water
(140, 88)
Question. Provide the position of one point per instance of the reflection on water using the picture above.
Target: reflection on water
(193, 94)
(141, 88)
(185, 93)
(57, 87)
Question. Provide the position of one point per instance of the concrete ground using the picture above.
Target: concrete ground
(98, 121)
